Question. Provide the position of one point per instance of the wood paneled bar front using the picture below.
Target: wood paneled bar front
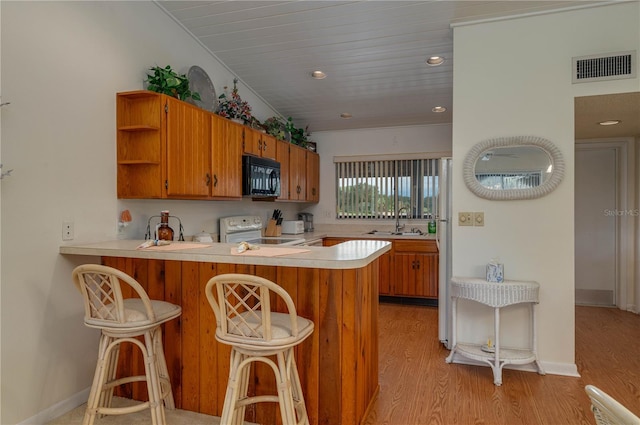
(336, 287)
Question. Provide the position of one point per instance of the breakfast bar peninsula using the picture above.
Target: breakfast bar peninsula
(336, 287)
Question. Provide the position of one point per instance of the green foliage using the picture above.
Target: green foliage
(299, 136)
(363, 198)
(166, 81)
(275, 127)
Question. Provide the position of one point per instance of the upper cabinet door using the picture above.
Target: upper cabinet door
(282, 156)
(226, 178)
(259, 144)
(188, 150)
(313, 177)
(252, 144)
(297, 173)
(268, 146)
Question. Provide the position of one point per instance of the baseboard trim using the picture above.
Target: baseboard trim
(58, 409)
(550, 368)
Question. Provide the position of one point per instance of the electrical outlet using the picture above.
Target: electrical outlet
(465, 219)
(67, 231)
(478, 218)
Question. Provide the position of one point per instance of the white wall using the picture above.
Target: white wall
(372, 141)
(62, 64)
(514, 78)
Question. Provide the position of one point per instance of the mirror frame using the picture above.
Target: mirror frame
(545, 188)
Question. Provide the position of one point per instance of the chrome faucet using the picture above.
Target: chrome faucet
(398, 227)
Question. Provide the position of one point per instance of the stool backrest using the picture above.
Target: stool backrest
(608, 411)
(242, 306)
(103, 301)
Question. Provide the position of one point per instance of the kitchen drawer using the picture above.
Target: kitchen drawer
(428, 246)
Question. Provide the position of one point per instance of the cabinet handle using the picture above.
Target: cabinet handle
(215, 180)
(207, 179)
(264, 146)
(313, 191)
(298, 189)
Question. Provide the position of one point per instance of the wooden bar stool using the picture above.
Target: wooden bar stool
(122, 320)
(242, 306)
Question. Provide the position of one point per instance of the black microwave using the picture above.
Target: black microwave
(260, 177)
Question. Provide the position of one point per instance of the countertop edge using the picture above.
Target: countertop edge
(346, 255)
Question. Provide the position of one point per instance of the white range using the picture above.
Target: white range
(248, 228)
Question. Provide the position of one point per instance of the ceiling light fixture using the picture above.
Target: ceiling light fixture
(345, 115)
(434, 61)
(610, 122)
(318, 75)
(439, 109)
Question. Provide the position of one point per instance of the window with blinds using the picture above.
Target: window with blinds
(378, 189)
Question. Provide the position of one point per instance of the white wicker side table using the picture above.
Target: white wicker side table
(496, 295)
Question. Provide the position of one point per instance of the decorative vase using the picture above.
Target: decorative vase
(164, 232)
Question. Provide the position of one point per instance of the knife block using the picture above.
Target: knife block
(273, 229)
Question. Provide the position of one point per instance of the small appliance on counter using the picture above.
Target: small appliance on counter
(292, 227)
(307, 218)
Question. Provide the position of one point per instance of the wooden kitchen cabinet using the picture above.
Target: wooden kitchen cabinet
(226, 170)
(167, 148)
(188, 133)
(297, 173)
(140, 144)
(259, 144)
(416, 268)
(170, 149)
(410, 269)
(282, 156)
(312, 177)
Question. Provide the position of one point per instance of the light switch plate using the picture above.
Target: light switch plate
(478, 219)
(465, 219)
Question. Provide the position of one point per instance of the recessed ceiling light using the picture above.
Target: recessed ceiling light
(435, 61)
(610, 122)
(318, 75)
(439, 109)
(345, 115)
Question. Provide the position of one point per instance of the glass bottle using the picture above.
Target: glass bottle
(165, 233)
(431, 226)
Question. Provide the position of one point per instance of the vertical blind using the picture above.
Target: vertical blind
(379, 189)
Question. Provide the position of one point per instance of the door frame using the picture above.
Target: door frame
(626, 267)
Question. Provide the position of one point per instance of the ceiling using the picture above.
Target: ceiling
(373, 53)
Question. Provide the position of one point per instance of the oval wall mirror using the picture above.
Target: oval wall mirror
(519, 167)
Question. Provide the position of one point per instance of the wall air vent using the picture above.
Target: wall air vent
(612, 66)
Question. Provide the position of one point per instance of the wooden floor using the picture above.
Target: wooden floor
(417, 387)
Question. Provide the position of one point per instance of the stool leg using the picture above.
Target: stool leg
(231, 395)
(95, 395)
(153, 380)
(284, 389)
(163, 371)
(243, 389)
(106, 396)
(298, 397)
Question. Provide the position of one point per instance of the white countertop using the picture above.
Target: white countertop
(347, 255)
(332, 233)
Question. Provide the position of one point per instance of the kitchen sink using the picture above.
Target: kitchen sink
(389, 233)
(380, 232)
